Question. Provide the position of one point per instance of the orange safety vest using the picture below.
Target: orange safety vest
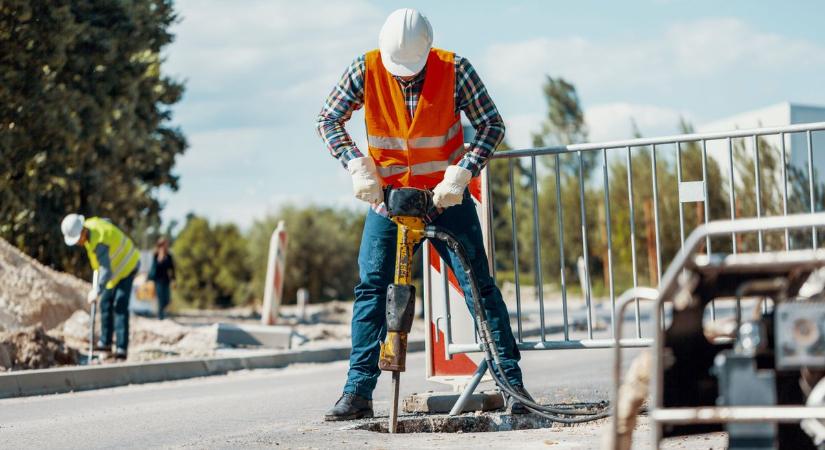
(413, 153)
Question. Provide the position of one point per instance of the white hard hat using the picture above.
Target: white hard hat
(72, 227)
(405, 42)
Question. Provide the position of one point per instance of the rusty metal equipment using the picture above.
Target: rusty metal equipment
(766, 378)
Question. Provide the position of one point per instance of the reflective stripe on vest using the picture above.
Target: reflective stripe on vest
(422, 168)
(123, 256)
(394, 143)
(412, 151)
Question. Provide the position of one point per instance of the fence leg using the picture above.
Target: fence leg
(458, 408)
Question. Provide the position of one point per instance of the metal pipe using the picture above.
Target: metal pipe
(559, 345)
(811, 184)
(679, 184)
(560, 215)
(458, 407)
(640, 142)
(784, 189)
(488, 198)
(537, 246)
(707, 212)
(584, 250)
(448, 318)
(656, 213)
(705, 191)
(515, 251)
(610, 246)
(758, 178)
(737, 414)
(632, 226)
(731, 192)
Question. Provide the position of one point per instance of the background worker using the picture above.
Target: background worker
(413, 95)
(116, 259)
(162, 273)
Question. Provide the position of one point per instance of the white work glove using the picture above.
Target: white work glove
(365, 182)
(450, 191)
(91, 297)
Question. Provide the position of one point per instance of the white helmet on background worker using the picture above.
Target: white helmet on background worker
(405, 42)
(72, 228)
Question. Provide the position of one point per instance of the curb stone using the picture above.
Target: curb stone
(83, 378)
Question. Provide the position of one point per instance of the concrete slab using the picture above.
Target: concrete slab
(149, 373)
(91, 377)
(267, 336)
(8, 386)
(219, 366)
(440, 403)
(178, 370)
(44, 381)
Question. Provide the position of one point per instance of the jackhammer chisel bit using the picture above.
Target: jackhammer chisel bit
(407, 208)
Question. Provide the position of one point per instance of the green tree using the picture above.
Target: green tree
(563, 125)
(322, 251)
(84, 118)
(211, 265)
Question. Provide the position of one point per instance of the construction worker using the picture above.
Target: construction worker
(412, 96)
(116, 259)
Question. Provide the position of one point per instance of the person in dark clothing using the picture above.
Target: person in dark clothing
(163, 274)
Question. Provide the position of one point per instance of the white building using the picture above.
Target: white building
(785, 113)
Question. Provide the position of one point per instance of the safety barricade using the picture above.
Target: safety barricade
(610, 216)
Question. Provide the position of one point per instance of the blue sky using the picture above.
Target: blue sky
(257, 73)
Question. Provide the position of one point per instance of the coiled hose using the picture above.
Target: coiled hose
(569, 415)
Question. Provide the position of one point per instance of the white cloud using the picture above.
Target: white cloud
(684, 53)
(605, 122)
(254, 60)
(693, 69)
(612, 121)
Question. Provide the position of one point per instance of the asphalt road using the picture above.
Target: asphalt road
(283, 408)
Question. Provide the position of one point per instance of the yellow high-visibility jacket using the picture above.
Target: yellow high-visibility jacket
(122, 254)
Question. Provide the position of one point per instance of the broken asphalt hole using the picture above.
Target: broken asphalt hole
(482, 423)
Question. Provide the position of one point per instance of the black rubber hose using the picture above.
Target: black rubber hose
(488, 344)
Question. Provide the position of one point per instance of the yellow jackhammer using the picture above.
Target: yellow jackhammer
(407, 207)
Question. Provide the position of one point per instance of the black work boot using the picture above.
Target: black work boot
(120, 355)
(350, 407)
(514, 406)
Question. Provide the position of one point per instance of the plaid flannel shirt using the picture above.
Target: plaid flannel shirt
(470, 96)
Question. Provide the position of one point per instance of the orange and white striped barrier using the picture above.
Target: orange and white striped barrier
(274, 287)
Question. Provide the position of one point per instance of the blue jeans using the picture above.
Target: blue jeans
(376, 263)
(114, 311)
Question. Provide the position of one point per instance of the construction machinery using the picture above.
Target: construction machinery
(408, 208)
(763, 380)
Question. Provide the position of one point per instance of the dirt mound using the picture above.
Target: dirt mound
(149, 339)
(32, 294)
(32, 348)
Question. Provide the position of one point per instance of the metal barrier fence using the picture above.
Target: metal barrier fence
(663, 157)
